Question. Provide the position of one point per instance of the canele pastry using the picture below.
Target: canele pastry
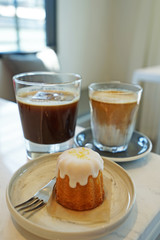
(79, 183)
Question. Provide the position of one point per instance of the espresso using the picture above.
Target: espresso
(48, 117)
(113, 114)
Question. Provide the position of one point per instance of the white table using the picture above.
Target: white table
(144, 220)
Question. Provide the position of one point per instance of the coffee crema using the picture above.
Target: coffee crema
(48, 117)
(113, 116)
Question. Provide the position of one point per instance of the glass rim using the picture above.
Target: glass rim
(17, 77)
(139, 88)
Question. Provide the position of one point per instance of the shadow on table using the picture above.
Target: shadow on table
(135, 163)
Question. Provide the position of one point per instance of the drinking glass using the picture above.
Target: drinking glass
(113, 107)
(48, 104)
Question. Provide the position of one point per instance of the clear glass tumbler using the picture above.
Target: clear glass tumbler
(113, 107)
(48, 104)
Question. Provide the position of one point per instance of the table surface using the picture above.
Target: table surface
(142, 223)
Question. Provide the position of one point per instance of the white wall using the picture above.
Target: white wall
(83, 38)
(95, 38)
(124, 21)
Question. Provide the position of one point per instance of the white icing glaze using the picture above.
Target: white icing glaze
(78, 164)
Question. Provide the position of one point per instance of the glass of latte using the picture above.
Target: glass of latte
(48, 104)
(113, 107)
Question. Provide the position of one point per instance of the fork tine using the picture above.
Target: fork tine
(40, 205)
(33, 203)
(29, 201)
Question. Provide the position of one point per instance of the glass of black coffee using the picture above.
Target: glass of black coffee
(48, 104)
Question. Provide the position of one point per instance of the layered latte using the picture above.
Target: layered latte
(113, 115)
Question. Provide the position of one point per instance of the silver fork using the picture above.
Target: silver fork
(39, 199)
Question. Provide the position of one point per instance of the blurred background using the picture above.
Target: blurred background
(102, 40)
